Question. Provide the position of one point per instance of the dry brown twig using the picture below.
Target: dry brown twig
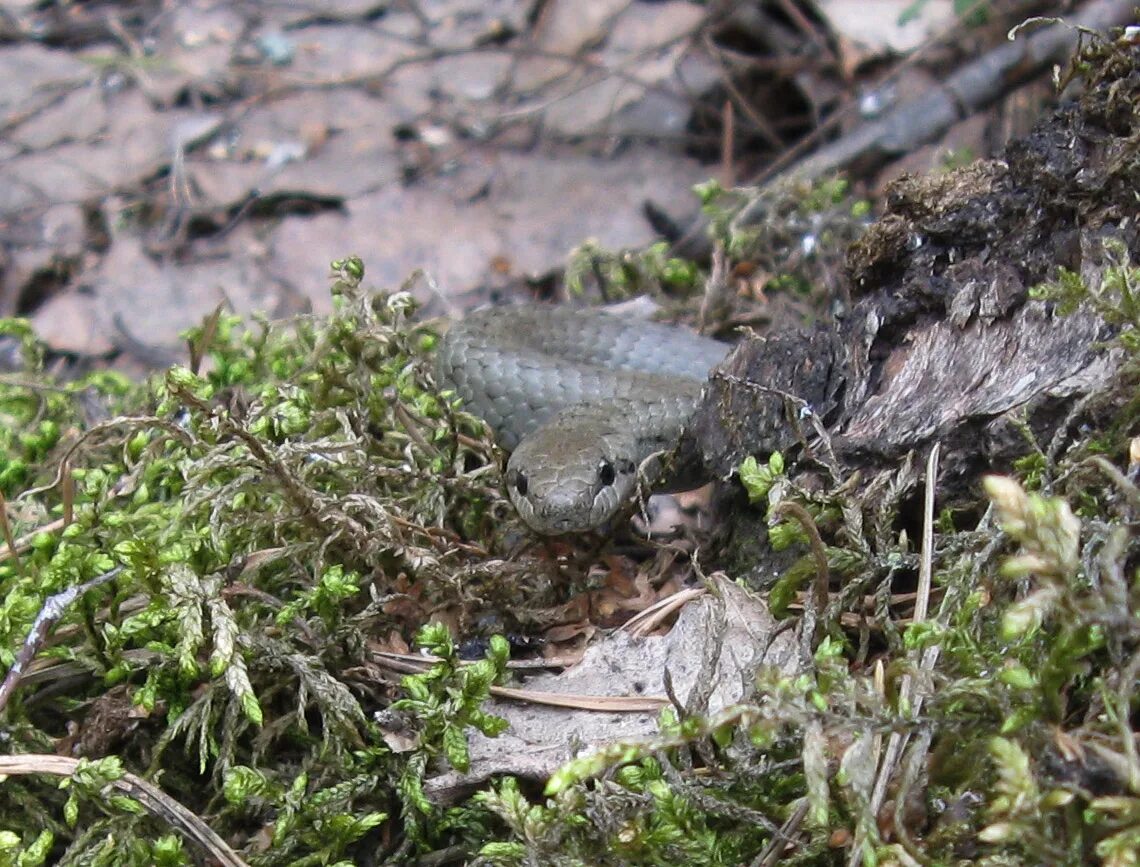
(157, 802)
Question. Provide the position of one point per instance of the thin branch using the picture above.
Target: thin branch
(157, 802)
(53, 609)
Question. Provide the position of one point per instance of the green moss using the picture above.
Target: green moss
(625, 273)
(261, 502)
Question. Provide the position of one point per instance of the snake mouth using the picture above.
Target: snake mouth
(557, 526)
(566, 508)
(553, 515)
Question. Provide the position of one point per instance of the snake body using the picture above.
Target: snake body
(581, 398)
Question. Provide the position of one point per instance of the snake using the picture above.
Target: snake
(588, 403)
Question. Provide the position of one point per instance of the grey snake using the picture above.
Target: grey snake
(584, 400)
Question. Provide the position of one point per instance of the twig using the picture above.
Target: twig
(816, 603)
(53, 609)
(968, 90)
(783, 837)
(909, 701)
(907, 126)
(644, 622)
(157, 802)
(574, 701)
(6, 526)
(728, 142)
(19, 546)
(142, 421)
(759, 123)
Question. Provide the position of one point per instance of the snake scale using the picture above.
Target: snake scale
(581, 398)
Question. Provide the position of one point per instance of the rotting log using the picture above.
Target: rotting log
(942, 341)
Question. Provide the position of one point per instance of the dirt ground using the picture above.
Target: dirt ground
(158, 159)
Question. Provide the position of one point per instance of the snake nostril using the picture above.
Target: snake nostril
(518, 481)
(606, 473)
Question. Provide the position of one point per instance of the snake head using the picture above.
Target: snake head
(561, 482)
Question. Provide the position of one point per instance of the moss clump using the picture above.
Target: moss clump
(296, 499)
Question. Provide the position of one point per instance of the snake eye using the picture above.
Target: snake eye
(606, 473)
(517, 480)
